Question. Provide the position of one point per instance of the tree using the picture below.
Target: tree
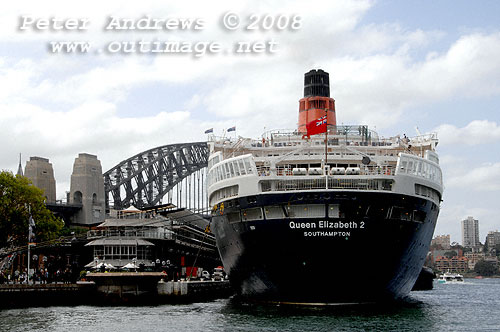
(17, 197)
(484, 268)
(450, 254)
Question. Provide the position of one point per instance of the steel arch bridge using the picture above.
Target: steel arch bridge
(146, 178)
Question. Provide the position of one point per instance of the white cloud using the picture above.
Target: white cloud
(476, 132)
(482, 178)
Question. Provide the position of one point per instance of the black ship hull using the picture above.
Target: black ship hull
(373, 248)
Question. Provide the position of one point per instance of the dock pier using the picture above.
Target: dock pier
(114, 289)
(26, 295)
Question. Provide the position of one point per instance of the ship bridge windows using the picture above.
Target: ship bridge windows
(231, 168)
(408, 164)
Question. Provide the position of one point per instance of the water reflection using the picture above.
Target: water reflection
(410, 315)
(467, 307)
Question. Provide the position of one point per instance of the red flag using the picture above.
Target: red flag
(317, 126)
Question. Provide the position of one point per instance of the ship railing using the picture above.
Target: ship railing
(363, 170)
(151, 234)
(320, 184)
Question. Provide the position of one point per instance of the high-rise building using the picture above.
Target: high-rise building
(41, 174)
(492, 239)
(470, 233)
(442, 240)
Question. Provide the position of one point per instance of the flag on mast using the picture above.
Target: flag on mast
(31, 233)
(232, 129)
(208, 131)
(315, 127)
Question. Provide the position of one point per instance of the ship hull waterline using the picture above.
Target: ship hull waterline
(373, 250)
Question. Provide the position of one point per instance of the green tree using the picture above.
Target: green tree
(485, 269)
(450, 254)
(17, 197)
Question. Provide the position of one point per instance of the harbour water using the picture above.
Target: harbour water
(472, 306)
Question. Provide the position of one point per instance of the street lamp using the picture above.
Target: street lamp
(35, 259)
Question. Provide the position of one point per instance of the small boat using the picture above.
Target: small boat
(451, 278)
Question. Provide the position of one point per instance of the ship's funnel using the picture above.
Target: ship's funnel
(316, 102)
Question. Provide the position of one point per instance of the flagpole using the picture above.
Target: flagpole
(326, 149)
(326, 138)
(29, 239)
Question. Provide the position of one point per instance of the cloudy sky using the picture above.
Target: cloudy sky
(394, 65)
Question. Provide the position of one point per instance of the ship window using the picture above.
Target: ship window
(403, 166)
(427, 171)
(306, 211)
(248, 167)
(419, 216)
(233, 217)
(410, 167)
(274, 212)
(242, 167)
(251, 214)
(333, 211)
(265, 186)
(251, 199)
(376, 211)
(236, 168)
(400, 213)
(231, 169)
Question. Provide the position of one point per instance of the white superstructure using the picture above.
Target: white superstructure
(354, 159)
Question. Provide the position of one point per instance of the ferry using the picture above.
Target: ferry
(323, 213)
(451, 278)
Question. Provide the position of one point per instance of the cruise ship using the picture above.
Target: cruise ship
(323, 213)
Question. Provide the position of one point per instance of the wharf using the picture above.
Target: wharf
(119, 288)
(15, 295)
(151, 287)
(180, 291)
